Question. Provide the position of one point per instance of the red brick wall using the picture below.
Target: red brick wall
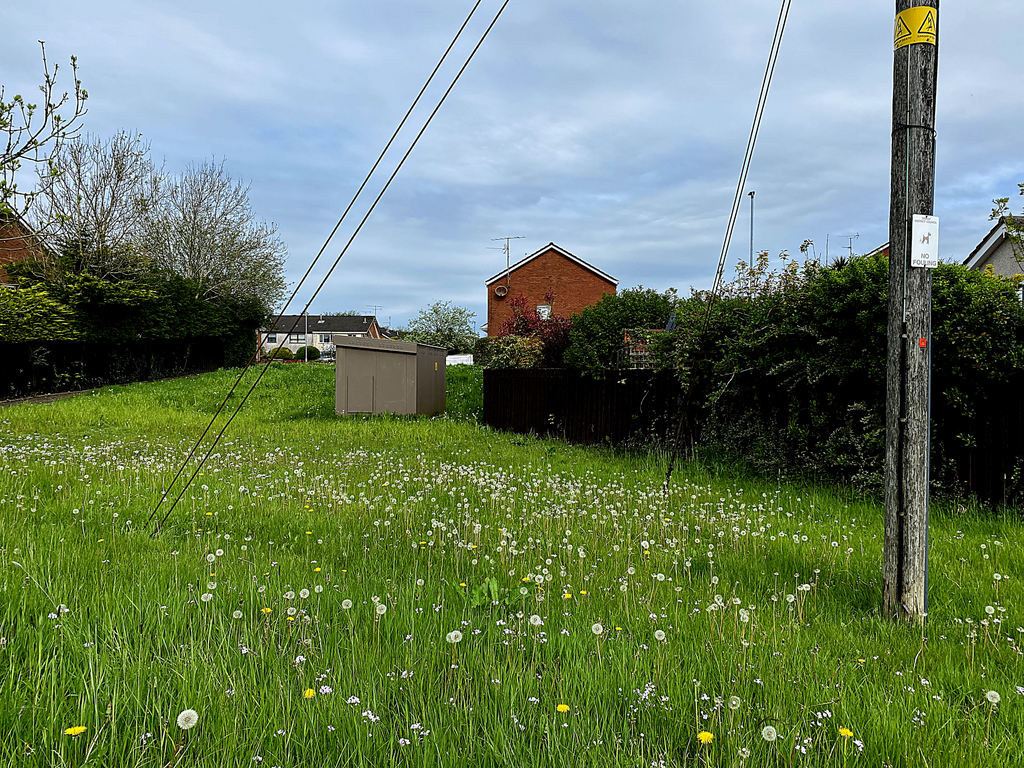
(574, 287)
(15, 245)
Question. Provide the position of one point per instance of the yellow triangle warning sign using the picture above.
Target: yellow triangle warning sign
(928, 25)
(923, 19)
(902, 30)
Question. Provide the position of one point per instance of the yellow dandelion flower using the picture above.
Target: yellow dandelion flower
(74, 730)
(267, 610)
(705, 737)
(290, 618)
(845, 732)
(618, 629)
(309, 533)
(562, 708)
(567, 596)
(99, 541)
(527, 578)
(860, 661)
(309, 693)
(462, 583)
(209, 514)
(316, 570)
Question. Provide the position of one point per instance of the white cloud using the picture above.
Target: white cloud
(615, 129)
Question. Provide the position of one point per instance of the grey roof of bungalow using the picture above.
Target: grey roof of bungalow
(322, 324)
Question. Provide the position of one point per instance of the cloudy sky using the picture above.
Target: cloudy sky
(614, 129)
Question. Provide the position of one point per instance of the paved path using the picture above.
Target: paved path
(49, 398)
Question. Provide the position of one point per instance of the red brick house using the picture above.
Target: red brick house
(552, 280)
(17, 242)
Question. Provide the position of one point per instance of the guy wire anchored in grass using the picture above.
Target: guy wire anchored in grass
(366, 216)
(426, 592)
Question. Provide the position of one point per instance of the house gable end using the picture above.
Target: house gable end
(551, 247)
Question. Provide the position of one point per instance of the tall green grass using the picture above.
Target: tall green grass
(726, 608)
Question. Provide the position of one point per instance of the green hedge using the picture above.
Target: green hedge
(791, 373)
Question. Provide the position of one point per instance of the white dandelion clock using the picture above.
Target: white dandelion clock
(597, 629)
(993, 697)
(659, 635)
(380, 609)
(187, 719)
(769, 734)
(346, 604)
(454, 637)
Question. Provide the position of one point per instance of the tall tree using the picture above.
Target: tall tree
(444, 324)
(97, 197)
(205, 230)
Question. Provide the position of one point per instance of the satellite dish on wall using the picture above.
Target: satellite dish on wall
(501, 291)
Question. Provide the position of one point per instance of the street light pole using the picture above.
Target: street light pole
(751, 194)
(305, 337)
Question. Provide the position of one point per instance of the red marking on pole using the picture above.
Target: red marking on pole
(922, 343)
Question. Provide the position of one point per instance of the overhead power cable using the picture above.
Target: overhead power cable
(327, 276)
(316, 258)
(766, 82)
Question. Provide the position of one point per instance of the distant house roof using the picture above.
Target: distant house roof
(992, 240)
(545, 249)
(883, 248)
(323, 324)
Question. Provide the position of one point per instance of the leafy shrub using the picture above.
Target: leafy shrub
(516, 352)
(307, 353)
(32, 314)
(791, 372)
(281, 354)
(596, 335)
(552, 332)
(482, 350)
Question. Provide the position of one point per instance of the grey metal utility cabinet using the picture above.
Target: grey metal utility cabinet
(385, 376)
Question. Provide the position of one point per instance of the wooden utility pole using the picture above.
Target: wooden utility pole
(907, 447)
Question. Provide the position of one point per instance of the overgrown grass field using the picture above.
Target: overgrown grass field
(392, 591)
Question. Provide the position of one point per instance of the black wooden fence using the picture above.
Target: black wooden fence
(621, 407)
(34, 368)
(985, 457)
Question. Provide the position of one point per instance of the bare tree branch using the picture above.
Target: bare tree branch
(205, 230)
(96, 198)
(34, 131)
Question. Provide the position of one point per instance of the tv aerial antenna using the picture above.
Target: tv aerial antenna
(508, 254)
